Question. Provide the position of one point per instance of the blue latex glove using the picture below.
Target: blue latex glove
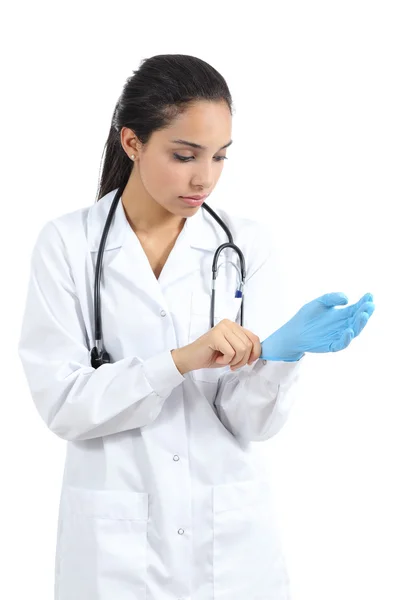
(318, 327)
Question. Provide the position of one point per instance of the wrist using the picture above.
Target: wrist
(273, 348)
(179, 359)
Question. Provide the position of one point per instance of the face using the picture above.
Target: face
(168, 170)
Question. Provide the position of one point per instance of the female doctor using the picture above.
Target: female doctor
(161, 389)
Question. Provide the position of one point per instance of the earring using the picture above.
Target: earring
(132, 156)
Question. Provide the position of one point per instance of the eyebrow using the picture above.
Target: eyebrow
(193, 145)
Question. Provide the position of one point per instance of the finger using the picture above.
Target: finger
(366, 307)
(360, 321)
(243, 347)
(368, 297)
(238, 340)
(243, 334)
(223, 345)
(256, 351)
(356, 321)
(333, 299)
(343, 342)
(363, 305)
(233, 343)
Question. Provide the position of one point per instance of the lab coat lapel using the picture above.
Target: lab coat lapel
(124, 254)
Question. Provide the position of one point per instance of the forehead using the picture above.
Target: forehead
(208, 124)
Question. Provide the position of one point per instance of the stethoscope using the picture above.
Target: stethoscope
(99, 355)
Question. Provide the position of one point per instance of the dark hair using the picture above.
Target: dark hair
(151, 99)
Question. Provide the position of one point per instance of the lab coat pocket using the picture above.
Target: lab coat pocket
(103, 545)
(248, 559)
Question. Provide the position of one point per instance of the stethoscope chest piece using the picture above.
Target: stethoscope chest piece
(99, 357)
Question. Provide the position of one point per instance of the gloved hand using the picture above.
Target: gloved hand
(318, 327)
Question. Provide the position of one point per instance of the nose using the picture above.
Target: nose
(203, 177)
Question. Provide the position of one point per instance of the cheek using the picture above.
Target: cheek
(173, 179)
(164, 180)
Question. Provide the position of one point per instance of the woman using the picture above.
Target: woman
(162, 497)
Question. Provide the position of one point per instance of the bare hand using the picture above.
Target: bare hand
(225, 344)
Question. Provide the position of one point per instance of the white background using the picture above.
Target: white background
(315, 86)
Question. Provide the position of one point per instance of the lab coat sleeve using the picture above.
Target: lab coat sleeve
(76, 401)
(254, 402)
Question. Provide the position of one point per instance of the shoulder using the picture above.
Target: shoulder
(61, 227)
(254, 237)
(72, 223)
(58, 236)
(244, 229)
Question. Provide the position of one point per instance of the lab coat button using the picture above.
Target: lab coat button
(264, 362)
(181, 531)
(176, 457)
(163, 313)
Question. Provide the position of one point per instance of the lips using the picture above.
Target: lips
(195, 197)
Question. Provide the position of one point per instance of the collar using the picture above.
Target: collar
(202, 230)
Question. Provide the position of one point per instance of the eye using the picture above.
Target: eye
(187, 158)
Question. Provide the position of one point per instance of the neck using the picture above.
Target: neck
(144, 214)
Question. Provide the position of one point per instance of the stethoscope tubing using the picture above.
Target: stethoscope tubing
(99, 355)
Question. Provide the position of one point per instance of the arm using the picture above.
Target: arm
(254, 402)
(76, 401)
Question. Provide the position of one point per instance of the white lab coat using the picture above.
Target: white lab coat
(162, 498)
